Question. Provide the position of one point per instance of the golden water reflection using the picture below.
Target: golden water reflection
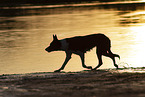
(135, 22)
(138, 59)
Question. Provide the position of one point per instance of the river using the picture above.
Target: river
(27, 30)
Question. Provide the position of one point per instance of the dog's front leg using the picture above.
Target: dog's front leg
(68, 57)
(83, 61)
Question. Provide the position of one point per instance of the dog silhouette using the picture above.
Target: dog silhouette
(80, 45)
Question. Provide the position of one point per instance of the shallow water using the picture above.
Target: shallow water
(25, 33)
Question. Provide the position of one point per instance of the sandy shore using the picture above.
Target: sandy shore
(100, 83)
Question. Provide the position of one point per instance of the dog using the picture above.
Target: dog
(80, 45)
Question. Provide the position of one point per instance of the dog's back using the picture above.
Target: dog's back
(85, 43)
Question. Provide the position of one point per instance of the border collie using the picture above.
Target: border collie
(80, 44)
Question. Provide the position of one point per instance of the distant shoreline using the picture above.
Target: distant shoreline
(49, 4)
(41, 2)
(13, 3)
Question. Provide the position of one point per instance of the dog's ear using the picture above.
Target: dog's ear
(55, 37)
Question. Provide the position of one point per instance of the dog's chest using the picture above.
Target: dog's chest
(64, 44)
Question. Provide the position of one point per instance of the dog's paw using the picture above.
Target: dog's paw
(57, 71)
(89, 67)
(118, 68)
(94, 69)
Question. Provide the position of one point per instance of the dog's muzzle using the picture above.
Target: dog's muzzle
(48, 50)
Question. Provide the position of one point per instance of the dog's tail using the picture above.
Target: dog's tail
(109, 50)
(115, 55)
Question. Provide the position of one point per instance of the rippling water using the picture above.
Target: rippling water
(27, 30)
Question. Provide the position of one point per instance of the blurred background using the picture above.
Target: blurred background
(27, 26)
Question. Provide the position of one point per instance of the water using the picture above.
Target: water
(26, 31)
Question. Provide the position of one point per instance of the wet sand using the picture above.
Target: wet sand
(99, 83)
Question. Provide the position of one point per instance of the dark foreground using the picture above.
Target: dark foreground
(101, 83)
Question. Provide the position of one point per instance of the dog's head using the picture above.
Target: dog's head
(55, 45)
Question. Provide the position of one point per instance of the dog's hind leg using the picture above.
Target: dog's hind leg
(68, 57)
(83, 61)
(99, 55)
